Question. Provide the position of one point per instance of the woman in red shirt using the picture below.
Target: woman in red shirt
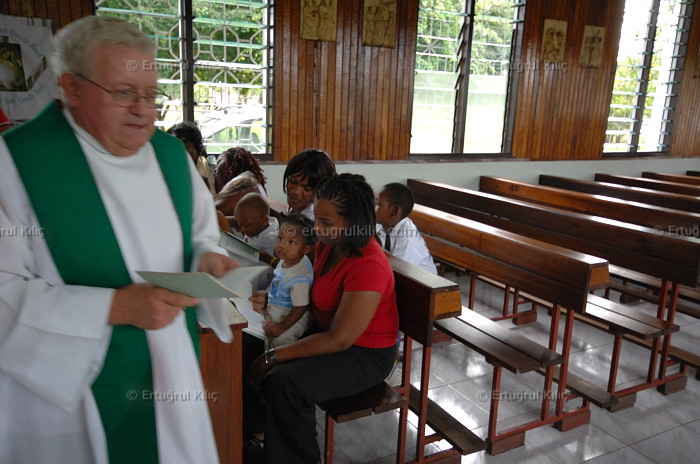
(354, 306)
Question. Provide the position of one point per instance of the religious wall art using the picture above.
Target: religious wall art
(379, 24)
(319, 19)
(27, 83)
(592, 46)
(12, 75)
(553, 41)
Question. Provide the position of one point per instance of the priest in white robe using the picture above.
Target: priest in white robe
(89, 194)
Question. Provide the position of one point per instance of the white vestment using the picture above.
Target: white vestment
(54, 337)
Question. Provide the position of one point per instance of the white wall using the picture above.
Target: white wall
(466, 174)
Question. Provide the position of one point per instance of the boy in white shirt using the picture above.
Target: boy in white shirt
(397, 233)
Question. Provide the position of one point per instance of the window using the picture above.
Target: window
(462, 73)
(649, 63)
(213, 59)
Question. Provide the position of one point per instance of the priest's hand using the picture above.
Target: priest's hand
(216, 264)
(147, 307)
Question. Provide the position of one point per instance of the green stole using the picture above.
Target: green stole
(79, 235)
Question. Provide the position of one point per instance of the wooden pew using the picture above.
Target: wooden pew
(642, 195)
(663, 220)
(422, 298)
(561, 276)
(675, 260)
(222, 374)
(653, 184)
(683, 179)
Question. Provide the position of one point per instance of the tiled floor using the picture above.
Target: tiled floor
(658, 429)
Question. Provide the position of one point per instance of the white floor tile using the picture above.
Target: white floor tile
(633, 424)
(625, 455)
(678, 445)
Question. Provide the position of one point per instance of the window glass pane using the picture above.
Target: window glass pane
(439, 24)
(437, 58)
(627, 76)
(660, 76)
(488, 79)
(639, 99)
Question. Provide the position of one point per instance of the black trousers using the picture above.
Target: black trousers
(292, 391)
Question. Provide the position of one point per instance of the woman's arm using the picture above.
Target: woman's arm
(354, 314)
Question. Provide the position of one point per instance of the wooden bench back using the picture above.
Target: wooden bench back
(422, 298)
(654, 184)
(670, 220)
(547, 271)
(674, 258)
(644, 195)
(681, 178)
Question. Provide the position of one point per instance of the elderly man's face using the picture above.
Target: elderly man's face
(122, 130)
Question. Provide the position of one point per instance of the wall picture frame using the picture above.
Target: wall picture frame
(379, 23)
(553, 41)
(319, 20)
(592, 46)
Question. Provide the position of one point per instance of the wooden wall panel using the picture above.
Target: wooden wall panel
(351, 100)
(562, 108)
(60, 13)
(685, 140)
(356, 102)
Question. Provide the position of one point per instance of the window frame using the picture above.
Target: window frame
(463, 57)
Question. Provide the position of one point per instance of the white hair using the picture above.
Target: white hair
(74, 44)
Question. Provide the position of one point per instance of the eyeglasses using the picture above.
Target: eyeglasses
(128, 98)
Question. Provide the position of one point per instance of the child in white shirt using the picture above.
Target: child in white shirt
(397, 233)
(259, 229)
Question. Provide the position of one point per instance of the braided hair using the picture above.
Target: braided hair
(354, 199)
(235, 161)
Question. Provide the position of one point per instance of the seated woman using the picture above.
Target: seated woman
(234, 162)
(304, 172)
(353, 304)
(190, 135)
